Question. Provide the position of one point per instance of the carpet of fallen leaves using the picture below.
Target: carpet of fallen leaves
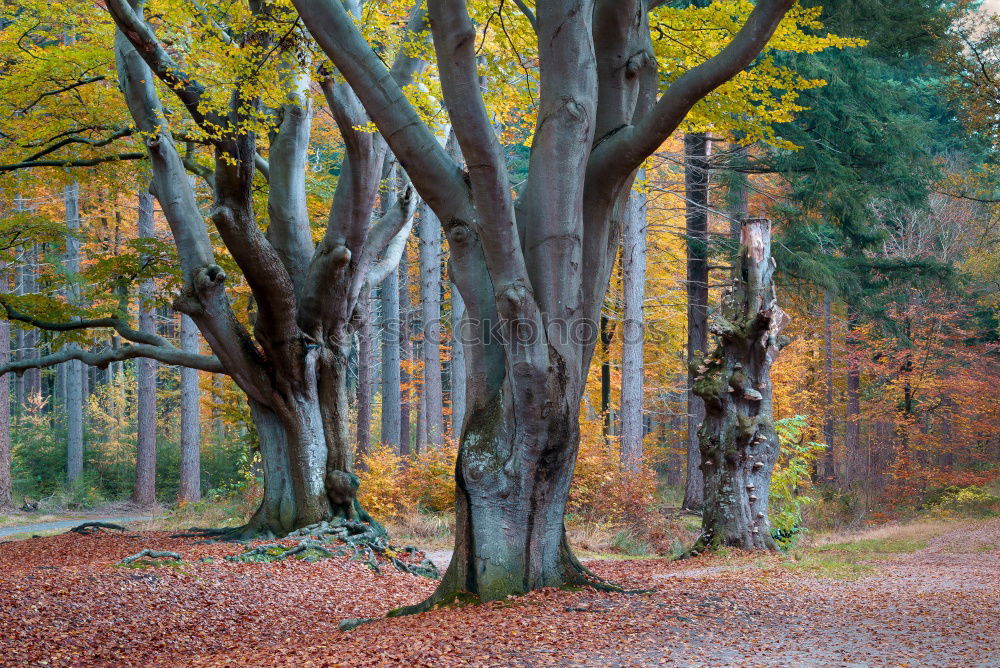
(63, 601)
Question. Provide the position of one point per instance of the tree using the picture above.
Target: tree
(430, 306)
(739, 444)
(633, 329)
(190, 483)
(144, 493)
(290, 356)
(534, 270)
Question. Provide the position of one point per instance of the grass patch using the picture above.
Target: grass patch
(871, 547)
(832, 565)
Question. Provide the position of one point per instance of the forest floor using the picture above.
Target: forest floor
(925, 594)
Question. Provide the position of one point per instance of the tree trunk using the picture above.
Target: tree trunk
(458, 377)
(6, 487)
(405, 355)
(697, 149)
(633, 331)
(852, 417)
(739, 444)
(74, 368)
(144, 491)
(607, 415)
(391, 393)
(430, 305)
(365, 373)
(829, 473)
(190, 483)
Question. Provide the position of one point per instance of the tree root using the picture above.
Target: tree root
(150, 556)
(362, 541)
(88, 528)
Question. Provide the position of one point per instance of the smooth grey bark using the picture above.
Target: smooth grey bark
(430, 307)
(545, 262)
(391, 393)
(697, 148)
(6, 484)
(633, 331)
(74, 369)
(190, 475)
(365, 376)
(144, 491)
(739, 444)
(458, 375)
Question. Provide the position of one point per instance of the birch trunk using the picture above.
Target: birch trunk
(144, 491)
(190, 483)
(739, 444)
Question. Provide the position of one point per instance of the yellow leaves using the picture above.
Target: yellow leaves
(766, 94)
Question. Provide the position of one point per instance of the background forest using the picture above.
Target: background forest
(868, 136)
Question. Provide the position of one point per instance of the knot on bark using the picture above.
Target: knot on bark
(339, 255)
(511, 301)
(636, 63)
(459, 233)
(209, 277)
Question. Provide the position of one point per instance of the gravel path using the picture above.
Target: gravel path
(66, 524)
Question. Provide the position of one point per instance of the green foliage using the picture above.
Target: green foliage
(792, 477)
(971, 501)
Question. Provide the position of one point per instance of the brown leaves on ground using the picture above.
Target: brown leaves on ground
(64, 602)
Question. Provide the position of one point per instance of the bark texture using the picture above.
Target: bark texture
(739, 445)
(391, 393)
(458, 377)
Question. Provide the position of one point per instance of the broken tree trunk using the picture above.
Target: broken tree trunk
(739, 445)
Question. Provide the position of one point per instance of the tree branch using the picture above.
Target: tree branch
(101, 359)
(88, 162)
(625, 150)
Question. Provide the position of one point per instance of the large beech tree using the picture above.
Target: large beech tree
(293, 360)
(532, 269)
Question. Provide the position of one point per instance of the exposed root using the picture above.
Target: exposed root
(150, 556)
(360, 540)
(88, 528)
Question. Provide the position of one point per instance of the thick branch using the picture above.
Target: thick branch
(111, 322)
(624, 151)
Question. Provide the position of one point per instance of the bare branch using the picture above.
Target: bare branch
(111, 322)
(88, 162)
(59, 91)
(530, 15)
(101, 359)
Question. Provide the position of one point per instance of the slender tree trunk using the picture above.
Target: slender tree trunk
(739, 444)
(391, 339)
(365, 373)
(430, 305)
(190, 487)
(829, 457)
(144, 492)
(607, 415)
(74, 368)
(420, 447)
(852, 417)
(458, 378)
(697, 149)
(633, 331)
(405, 355)
(6, 486)
(32, 377)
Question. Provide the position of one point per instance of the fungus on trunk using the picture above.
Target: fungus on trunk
(739, 444)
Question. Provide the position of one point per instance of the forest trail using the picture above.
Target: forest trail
(68, 524)
(64, 602)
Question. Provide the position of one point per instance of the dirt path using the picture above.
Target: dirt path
(67, 524)
(63, 602)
